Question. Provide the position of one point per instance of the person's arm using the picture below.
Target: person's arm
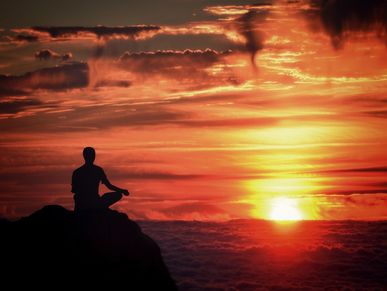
(112, 187)
(115, 188)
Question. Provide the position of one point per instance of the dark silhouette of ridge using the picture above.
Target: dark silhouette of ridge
(57, 248)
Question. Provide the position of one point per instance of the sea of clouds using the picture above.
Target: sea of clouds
(259, 255)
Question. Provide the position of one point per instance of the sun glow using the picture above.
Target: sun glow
(285, 209)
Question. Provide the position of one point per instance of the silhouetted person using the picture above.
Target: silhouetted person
(85, 185)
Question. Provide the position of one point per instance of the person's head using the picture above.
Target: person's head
(89, 155)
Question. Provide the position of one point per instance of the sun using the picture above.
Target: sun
(285, 209)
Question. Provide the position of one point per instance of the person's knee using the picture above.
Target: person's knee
(117, 196)
(110, 198)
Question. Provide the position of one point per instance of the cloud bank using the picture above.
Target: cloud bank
(258, 255)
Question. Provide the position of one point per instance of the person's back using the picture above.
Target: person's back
(85, 185)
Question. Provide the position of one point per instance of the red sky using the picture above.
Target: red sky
(213, 113)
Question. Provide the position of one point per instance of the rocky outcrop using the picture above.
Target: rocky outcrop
(57, 248)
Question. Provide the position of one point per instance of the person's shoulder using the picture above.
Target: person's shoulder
(100, 172)
(98, 168)
(77, 170)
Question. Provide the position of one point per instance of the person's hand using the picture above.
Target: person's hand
(125, 192)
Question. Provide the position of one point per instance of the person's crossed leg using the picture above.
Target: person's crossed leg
(110, 198)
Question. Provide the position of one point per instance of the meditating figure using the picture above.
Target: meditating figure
(85, 185)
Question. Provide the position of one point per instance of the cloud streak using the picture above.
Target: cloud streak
(61, 77)
(18, 105)
(101, 32)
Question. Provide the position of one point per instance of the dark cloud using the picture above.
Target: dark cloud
(341, 18)
(381, 184)
(25, 38)
(175, 63)
(106, 116)
(377, 113)
(46, 54)
(97, 119)
(161, 176)
(161, 117)
(248, 26)
(89, 13)
(166, 59)
(358, 170)
(146, 174)
(134, 117)
(14, 36)
(8, 91)
(207, 55)
(65, 76)
(15, 106)
(132, 32)
(34, 177)
(113, 83)
(362, 191)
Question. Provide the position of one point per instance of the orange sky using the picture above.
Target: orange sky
(210, 119)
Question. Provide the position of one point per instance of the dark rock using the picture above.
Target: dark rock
(57, 248)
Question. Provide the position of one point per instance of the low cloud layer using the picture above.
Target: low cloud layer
(258, 255)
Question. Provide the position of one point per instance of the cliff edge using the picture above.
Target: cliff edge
(56, 248)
